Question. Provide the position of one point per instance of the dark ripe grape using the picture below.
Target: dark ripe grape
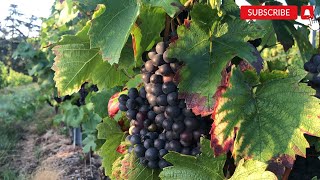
(130, 149)
(140, 100)
(162, 100)
(163, 152)
(159, 143)
(152, 128)
(143, 132)
(191, 123)
(162, 136)
(182, 104)
(143, 70)
(143, 92)
(167, 124)
(181, 117)
(159, 118)
(187, 112)
(144, 56)
(156, 79)
(169, 87)
(140, 116)
(147, 123)
(196, 135)
(153, 164)
(162, 164)
(151, 115)
(161, 47)
(178, 127)
(150, 67)
(152, 100)
(158, 72)
(143, 161)
(131, 104)
(167, 59)
(133, 93)
(148, 89)
(172, 98)
(174, 67)
(139, 150)
(131, 113)
(165, 69)
(186, 151)
(151, 54)
(156, 89)
(316, 59)
(185, 143)
(316, 80)
(167, 147)
(159, 109)
(146, 77)
(173, 111)
(135, 139)
(175, 146)
(135, 130)
(186, 136)
(157, 60)
(123, 98)
(310, 67)
(148, 143)
(169, 135)
(144, 108)
(123, 107)
(128, 138)
(151, 154)
(175, 135)
(152, 135)
(195, 151)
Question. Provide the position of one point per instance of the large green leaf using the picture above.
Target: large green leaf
(205, 55)
(204, 166)
(251, 170)
(111, 132)
(146, 31)
(110, 31)
(77, 63)
(142, 172)
(172, 7)
(270, 118)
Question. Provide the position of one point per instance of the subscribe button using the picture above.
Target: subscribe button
(269, 12)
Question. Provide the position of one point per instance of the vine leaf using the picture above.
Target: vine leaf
(76, 63)
(205, 55)
(204, 166)
(111, 132)
(110, 31)
(142, 172)
(252, 169)
(172, 7)
(268, 119)
(147, 29)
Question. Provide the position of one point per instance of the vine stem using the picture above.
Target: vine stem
(188, 3)
(167, 28)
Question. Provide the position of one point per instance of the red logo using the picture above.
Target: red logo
(269, 12)
(307, 12)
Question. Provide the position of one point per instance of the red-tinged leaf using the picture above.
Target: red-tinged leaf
(186, 23)
(113, 105)
(267, 118)
(122, 149)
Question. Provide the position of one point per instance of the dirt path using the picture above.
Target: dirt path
(52, 156)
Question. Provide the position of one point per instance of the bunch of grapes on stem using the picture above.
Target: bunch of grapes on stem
(160, 121)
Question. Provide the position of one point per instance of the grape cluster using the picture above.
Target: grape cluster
(313, 67)
(160, 122)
